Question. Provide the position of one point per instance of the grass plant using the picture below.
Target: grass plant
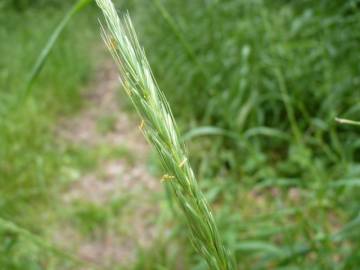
(255, 87)
(40, 61)
(158, 126)
(347, 121)
(260, 127)
(33, 163)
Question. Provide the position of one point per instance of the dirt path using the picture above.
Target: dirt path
(119, 193)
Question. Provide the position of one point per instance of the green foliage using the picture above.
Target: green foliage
(90, 217)
(43, 56)
(255, 85)
(30, 158)
(106, 124)
(261, 83)
(23, 5)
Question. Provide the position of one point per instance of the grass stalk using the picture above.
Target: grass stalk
(159, 127)
(347, 121)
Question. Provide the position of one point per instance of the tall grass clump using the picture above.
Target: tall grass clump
(159, 128)
(255, 87)
(33, 162)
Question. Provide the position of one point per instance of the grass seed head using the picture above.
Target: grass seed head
(162, 133)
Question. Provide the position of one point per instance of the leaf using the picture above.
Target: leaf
(268, 132)
(40, 61)
(209, 131)
(347, 121)
(258, 246)
(9, 226)
(348, 230)
(350, 182)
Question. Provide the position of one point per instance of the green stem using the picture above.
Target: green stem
(347, 121)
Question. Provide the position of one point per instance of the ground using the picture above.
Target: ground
(120, 185)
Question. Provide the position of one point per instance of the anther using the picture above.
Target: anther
(182, 163)
(167, 177)
(113, 43)
(142, 124)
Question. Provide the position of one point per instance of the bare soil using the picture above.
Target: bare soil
(113, 243)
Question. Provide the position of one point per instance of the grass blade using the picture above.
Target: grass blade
(9, 226)
(347, 121)
(40, 61)
(209, 131)
(180, 36)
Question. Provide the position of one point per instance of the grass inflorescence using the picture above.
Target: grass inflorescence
(158, 126)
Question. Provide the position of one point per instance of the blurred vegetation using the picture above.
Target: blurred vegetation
(25, 5)
(255, 87)
(32, 162)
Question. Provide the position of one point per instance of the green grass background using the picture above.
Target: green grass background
(255, 87)
(32, 163)
(264, 80)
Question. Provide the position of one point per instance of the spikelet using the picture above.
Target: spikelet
(161, 131)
